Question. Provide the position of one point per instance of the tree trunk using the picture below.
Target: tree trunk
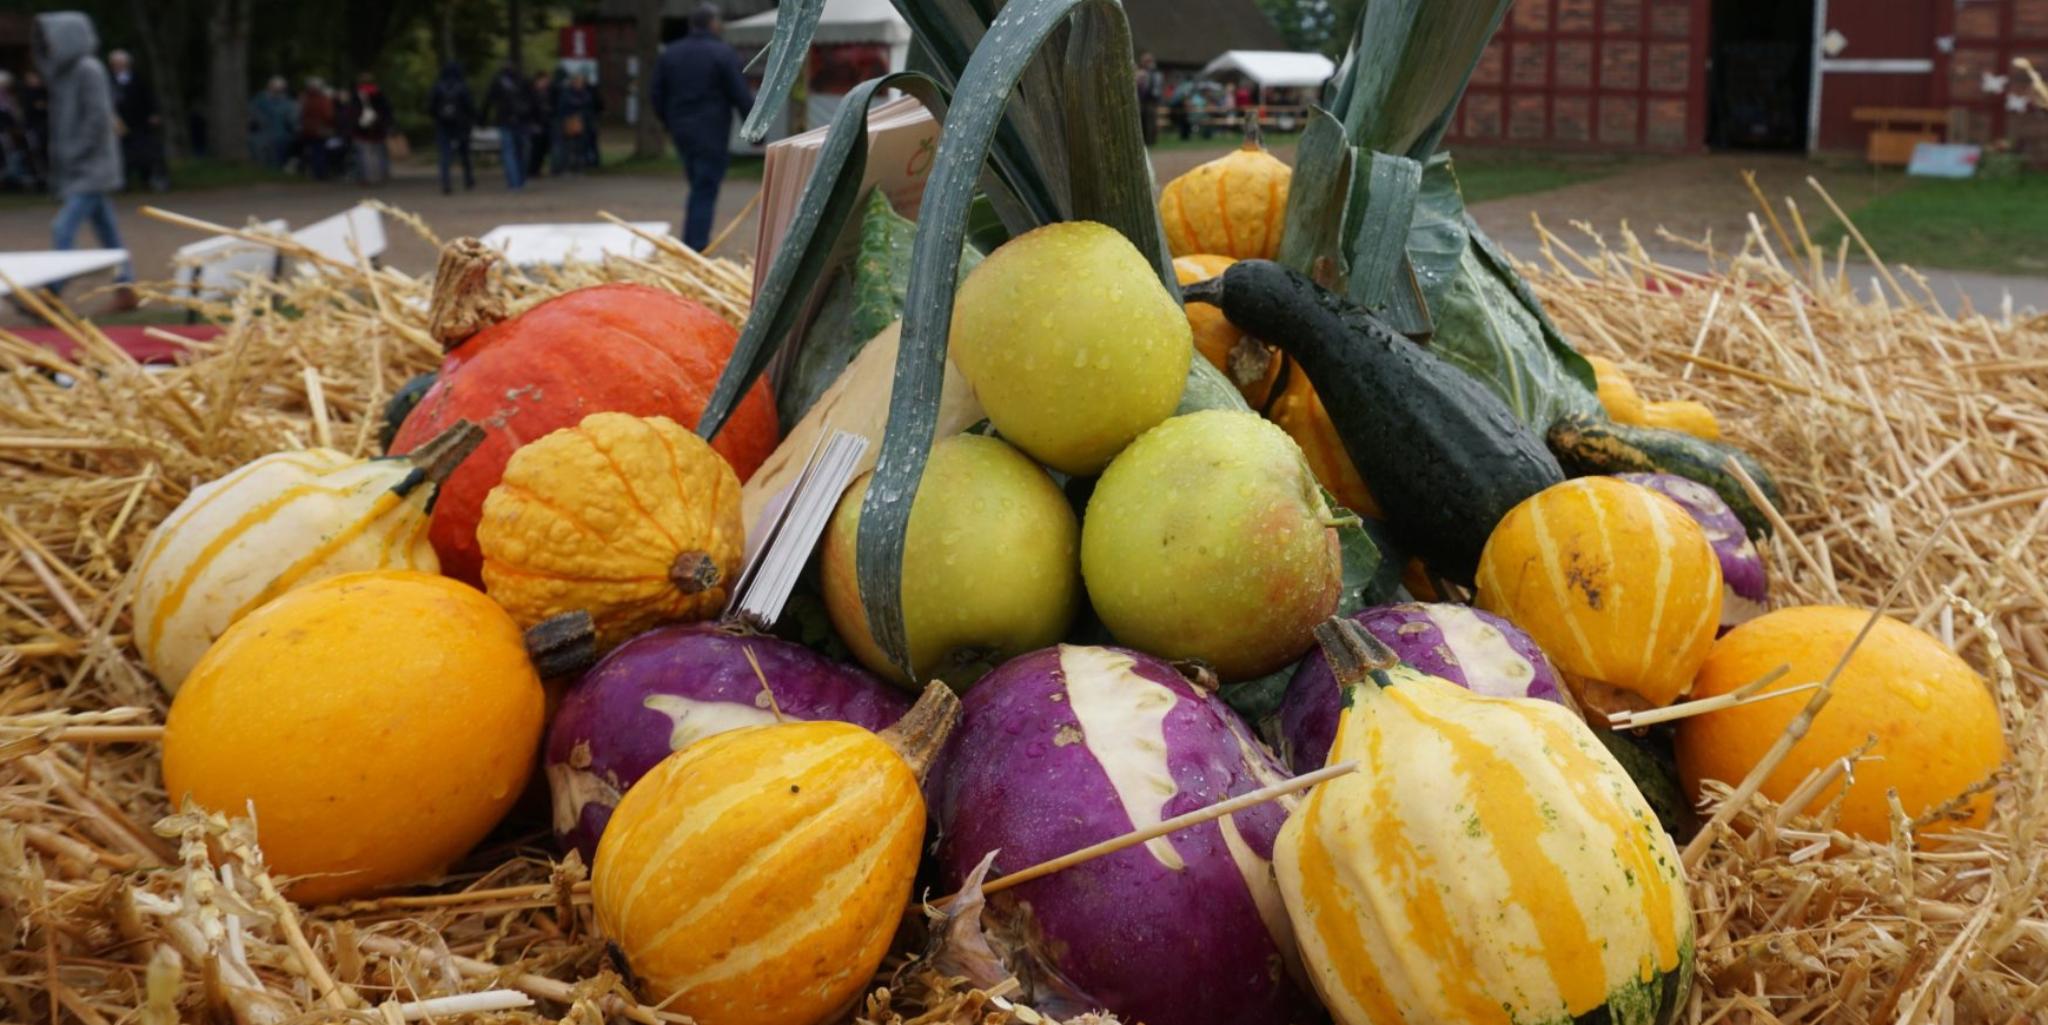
(647, 141)
(515, 36)
(163, 74)
(227, 80)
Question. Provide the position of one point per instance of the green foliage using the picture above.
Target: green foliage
(1321, 25)
(1993, 224)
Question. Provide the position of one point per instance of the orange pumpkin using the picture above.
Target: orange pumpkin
(1936, 727)
(1234, 205)
(1299, 411)
(1616, 582)
(609, 348)
(756, 876)
(1250, 364)
(379, 724)
(631, 519)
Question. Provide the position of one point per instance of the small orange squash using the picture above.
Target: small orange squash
(1935, 724)
(1299, 411)
(1616, 582)
(756, 876)
(1234, 206)
(1250, 364)
(631, 519)
(379, 724)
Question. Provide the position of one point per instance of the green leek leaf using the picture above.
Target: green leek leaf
(1378, 216)
(801, 264)
(1312, 241)
(796, 21)
(1099, 40)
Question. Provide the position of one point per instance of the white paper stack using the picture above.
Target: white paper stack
(781, 544)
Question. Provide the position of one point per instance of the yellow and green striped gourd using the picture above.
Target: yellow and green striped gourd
(1489, 862)
(279, 522)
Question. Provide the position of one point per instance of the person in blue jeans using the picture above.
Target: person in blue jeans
(85, 152)
(697, 89)
(509, 104)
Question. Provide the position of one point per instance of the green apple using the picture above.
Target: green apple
(1208, 538)
(1072, 344)
(989, 564)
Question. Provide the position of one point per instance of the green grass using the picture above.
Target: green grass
(1485, 174)
(1987, 224)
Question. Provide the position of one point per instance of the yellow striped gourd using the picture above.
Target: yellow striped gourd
(756, 876)
(1617, 583)
(1489, 862)
(282, 521)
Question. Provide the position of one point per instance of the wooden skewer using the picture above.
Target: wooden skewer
(1153, 832)
(1743, 695)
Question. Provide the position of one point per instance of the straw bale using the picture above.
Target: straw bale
(1889, 420)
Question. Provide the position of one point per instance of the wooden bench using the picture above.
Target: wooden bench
(1898, 130)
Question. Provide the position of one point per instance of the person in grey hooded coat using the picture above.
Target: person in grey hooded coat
(85, 154)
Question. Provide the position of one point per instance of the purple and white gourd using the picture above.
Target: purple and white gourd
(1474, 649)
(1745, 590)
(673, 686)
(1069, 746)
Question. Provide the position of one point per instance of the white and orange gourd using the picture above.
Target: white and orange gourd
(280, 522)
(1489, 862)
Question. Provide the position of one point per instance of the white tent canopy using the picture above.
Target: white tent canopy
(843, 21)
(1276, 69)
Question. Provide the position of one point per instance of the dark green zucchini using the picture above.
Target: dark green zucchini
(400, 405)
(1445, 456)
(1589, 444)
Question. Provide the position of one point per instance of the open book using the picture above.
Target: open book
(902, 137)
(781, 540)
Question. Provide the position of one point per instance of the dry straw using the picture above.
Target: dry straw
(1882, 415)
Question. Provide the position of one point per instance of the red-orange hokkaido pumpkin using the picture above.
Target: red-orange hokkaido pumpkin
(610, 348)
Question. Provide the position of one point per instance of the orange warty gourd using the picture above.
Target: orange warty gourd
(620, 348)
(1936, 726)
(1234, 206)
(631, 519)
(1250, 364)
(380, 723)
(756, 876)
(1299, 411)
(1616, 582)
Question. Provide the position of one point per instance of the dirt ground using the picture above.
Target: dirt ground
(1696, 198)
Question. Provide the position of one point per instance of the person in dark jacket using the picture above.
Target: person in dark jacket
(508, 104)
(316, 127)
(85, 153)
(540, 131)
(697, 89)
(453, 109)
(367, 118)
(574, 112)
(142, 146)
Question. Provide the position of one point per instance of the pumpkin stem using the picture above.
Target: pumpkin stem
(1355, 657)
(464, 301)
(921, 734)
(435, 460)
(563, 645)
(1254, 140)
(694, 572)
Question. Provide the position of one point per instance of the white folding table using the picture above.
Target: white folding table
(534, 245)
(39, 268)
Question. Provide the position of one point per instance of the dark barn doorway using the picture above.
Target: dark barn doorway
(1761, 74)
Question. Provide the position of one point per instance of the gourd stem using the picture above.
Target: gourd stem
(563, 645)
(1356, 657)
(464, 301)
(694, 572)
(1253, 139)
(921, 734)
(435, 460)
